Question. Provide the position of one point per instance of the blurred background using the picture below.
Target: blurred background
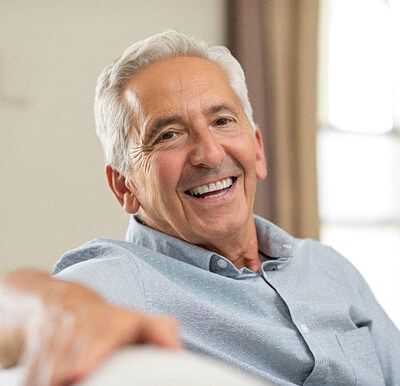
(324, 81)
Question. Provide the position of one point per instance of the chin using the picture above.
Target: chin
(221, 227)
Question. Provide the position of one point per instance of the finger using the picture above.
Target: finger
(11, 346)
(101, 333)
(124, 328)
(161, 331)
(67, 350)
(50, 348)
(37, 359)
(66, 369)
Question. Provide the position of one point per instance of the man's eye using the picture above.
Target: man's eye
(168, 135)
(222, 121)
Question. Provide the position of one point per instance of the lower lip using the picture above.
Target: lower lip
(217, 197)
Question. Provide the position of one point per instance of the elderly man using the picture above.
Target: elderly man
(183, 155)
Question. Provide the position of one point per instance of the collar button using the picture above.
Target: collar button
(286, 250)
(222, 263)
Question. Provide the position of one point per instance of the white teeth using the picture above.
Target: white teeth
(223, 184)
(202, 189)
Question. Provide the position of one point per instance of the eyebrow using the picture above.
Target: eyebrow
(220, 108)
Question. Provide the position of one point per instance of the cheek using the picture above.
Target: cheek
(165, 171)
(144, 173)
(243, 150)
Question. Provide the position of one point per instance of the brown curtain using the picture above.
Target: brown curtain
(276, 43)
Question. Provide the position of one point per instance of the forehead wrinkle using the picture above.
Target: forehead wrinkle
(186, 98)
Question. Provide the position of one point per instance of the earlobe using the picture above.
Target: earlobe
(123, 193)
(261, 165)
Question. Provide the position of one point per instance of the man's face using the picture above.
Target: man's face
(194, 157)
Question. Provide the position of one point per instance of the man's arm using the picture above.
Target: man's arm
(65, 330)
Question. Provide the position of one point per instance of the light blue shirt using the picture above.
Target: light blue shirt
(307, 317)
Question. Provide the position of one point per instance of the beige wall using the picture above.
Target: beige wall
(52, 186)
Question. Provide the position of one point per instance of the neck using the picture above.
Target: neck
(240, 248)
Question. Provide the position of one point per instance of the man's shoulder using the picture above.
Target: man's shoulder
(304, 253)
(98, 249)
(326, 262)
(322, 253)
(114, 269)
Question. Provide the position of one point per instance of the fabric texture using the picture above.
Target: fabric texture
(308, 317)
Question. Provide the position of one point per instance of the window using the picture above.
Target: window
(359, 140)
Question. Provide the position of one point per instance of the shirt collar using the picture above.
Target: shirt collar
(273, 243)
(178, 249)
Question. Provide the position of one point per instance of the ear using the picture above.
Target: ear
(124, 194)
(261, 165)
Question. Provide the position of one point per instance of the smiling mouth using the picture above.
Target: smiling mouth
(213, 190)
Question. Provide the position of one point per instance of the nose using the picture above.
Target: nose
(206, 151)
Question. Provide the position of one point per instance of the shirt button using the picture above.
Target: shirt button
(286, 250)
(304, 329)
(270, 267)
(222, 263)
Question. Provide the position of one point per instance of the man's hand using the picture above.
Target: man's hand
(64, 330)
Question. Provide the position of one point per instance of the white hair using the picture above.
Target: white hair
(114, 115)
